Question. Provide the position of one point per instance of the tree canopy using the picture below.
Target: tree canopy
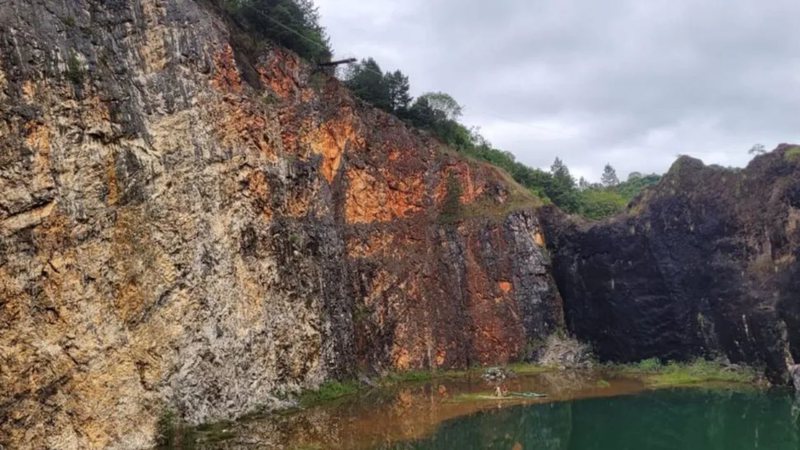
(293, 24)
(388, 91)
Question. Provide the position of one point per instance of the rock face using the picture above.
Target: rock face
(705, 264)
(188, 225)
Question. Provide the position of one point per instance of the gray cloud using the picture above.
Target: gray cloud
(628, 82)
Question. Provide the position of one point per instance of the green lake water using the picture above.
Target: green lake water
(678, 419)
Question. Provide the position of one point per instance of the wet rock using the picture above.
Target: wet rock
(794, 372)
(497, 374)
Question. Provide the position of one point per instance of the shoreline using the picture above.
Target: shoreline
(409, 406)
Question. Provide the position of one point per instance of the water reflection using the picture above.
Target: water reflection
(381, 418)
(675, 419)
(583, 411)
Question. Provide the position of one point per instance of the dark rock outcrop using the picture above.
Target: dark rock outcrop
(705, 264)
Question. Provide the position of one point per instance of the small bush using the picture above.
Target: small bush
(649, 365)
(451, 205)
(328, 391)
(172, 432)
(75, 72)
(564, 351)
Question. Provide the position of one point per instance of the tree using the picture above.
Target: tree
(478, 140)
(631, 188)
(366, 80)
(443, 103)
(399, 98)
(561, 189)
(634, 176)
(388, 91)
(757, 149)
(559, 169)
(293, 24)
(609, 177)
(422, 115)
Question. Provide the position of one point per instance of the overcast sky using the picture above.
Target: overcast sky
(629, 82)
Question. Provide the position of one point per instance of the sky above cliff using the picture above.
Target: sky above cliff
(629, 82)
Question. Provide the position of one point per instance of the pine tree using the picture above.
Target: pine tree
(561, 188)
(609, 177)
(293, 24)
(399, 98)
(367, 81)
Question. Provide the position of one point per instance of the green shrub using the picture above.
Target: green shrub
(293, 24)
(792, 154)
(695, 372)
(649, 365)
(451, 205)
(330, 390)
(172, 432)
(75, 72)
(600, 203)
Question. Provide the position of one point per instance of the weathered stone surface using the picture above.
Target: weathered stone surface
(186, 225)
(704, 264)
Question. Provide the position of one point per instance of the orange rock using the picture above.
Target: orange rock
(226, 76)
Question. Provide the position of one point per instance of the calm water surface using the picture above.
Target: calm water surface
(669, 419)
(583, 411)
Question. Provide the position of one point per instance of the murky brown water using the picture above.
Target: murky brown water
(379, 417)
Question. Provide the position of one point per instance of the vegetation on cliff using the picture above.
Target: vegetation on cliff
(293, 24)
(438, 113)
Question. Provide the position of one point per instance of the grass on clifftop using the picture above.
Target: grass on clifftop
(674, 374)
(518, 198)
(793, 154)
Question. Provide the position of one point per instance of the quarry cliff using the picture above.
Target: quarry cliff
(196, 223)
(190, 225)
